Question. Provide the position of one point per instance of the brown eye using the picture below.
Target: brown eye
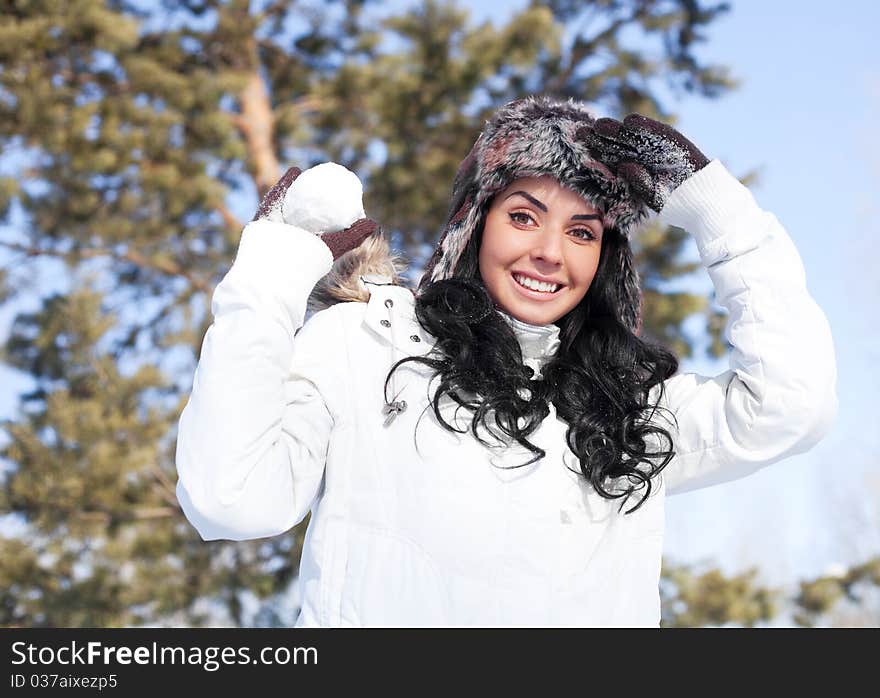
(520, 217)
(583, 234)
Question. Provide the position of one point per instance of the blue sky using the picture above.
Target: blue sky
(805, 117)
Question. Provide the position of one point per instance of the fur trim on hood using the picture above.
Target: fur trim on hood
(344, 282)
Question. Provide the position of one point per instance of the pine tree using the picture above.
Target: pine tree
(849, 597)
(698, 596)
(139, 137)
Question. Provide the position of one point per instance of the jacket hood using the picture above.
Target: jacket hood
(349, 278)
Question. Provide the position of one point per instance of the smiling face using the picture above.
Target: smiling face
(540, 249)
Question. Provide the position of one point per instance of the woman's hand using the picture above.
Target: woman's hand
(651, 156)
(272, 207)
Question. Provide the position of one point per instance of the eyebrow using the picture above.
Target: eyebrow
(529, 197)
(540, 205)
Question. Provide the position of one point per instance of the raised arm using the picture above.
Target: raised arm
(253, 437)
(778, 398)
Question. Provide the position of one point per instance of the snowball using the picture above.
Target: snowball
(325, 198)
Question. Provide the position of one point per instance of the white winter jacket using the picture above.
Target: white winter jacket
(420, 527)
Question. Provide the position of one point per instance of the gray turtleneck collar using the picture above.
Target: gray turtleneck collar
(537, 342)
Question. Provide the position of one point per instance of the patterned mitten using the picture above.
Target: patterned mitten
(651, 156)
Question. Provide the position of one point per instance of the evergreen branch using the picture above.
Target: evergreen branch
(168, 491)
(130, 255)
(142, 514)
(229, 218)
(584, 47)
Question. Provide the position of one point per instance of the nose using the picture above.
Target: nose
(548, 247)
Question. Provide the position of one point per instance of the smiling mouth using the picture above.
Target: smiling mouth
(537, 286)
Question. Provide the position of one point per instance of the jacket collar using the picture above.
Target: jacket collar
(391, 315)
(538, 343)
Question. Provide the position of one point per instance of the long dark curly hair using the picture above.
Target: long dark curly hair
(599, 381)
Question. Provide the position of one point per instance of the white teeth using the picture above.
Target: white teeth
(535, 285)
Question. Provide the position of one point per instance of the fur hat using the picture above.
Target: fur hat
(532, 137)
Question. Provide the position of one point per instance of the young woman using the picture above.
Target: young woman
(495, 449)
